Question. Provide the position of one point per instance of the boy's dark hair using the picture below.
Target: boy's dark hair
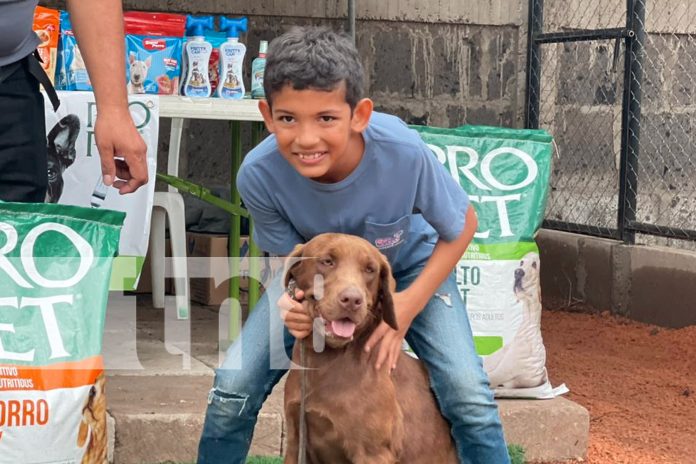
(313, 58)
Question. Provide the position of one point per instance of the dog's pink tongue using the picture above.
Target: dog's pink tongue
(343, 327)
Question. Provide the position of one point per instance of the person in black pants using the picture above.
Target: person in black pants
(98, 26)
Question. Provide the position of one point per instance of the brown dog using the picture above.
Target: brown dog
(93, 425)
(354, 413)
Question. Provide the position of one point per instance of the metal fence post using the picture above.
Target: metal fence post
(630, 124)
(535, 27)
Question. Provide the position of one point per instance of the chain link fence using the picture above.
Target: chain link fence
(615, 83)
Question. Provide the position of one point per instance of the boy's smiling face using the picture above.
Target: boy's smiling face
(316, 131)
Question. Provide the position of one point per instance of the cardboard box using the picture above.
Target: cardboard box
(204, 290)
(145, 282)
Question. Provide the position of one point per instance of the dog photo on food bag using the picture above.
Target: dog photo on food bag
(60, 147)
(92, 431)
(355, 413)
(138, 73)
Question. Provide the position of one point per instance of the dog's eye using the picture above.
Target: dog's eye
(370, 269)
(327, 262)
(534, 265)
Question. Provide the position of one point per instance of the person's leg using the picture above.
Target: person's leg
(253, 365)
(23, 167)
(441, 337)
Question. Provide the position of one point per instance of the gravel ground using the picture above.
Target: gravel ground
(638, 381)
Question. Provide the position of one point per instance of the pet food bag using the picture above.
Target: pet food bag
(55, 263)
(75, 177)
(154, 44)
(506, 174)
(47, 28)
(71, 72)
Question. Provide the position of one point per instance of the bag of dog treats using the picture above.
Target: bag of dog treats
(506, 174)
(154, 44)
(55, 263)
(47, 27)
(71, 72)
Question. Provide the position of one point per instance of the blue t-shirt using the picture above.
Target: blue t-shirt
(400, 198)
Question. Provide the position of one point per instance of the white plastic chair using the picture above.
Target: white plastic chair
(170, 206)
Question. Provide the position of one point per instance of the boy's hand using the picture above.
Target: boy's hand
(390, 341)
(296, 319)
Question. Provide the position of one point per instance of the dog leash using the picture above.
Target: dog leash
(302, 448)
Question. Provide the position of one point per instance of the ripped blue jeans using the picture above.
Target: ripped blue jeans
(441, 337)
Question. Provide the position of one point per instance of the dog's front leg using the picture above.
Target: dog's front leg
(292, 420)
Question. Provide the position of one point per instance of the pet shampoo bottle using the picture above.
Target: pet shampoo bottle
(257, 68)
(196, 57)
(232, 52)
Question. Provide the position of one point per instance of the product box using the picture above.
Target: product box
(145, 282)
(204, 290)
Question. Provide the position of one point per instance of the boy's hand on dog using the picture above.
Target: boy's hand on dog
(122, 150)
(389, 342)
(296, 319)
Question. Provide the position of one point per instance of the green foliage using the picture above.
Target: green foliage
(516, 453)
(264, 460)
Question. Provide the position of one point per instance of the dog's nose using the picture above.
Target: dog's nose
(519, 273)
(350, 299)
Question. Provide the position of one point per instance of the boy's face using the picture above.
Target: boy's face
(316, 131)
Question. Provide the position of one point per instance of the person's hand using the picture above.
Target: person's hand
(389, 341)
(122, 150)
(296, 319)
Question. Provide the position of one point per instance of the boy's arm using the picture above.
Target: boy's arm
(99, 29)
(411, 301)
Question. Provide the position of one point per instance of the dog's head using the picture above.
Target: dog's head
(138, 69)
(527, 276)
(93, 412)
(60, 151)
(347, 283)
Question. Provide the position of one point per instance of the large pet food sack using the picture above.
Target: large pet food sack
(506, 174)
(154, 44)
(75, 177)
(47, 28)
(55, 263)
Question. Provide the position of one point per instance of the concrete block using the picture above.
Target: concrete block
(549, 430)
(663, 286)
(392, 57)
(594, 271)
(110, 438)
(559, 257)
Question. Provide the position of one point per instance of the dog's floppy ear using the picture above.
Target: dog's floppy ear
(386, 286)
(291, 264)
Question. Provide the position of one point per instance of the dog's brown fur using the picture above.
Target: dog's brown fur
(93, 424)
(354, 413)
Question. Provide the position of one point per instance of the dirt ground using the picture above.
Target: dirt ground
(638, 382)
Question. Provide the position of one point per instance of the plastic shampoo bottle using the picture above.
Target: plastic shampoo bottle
(257, 68)
(232, 52)
(196, 57)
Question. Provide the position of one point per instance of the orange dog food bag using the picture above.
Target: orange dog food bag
(47, 27)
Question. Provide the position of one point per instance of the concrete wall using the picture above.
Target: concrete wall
(656, 285)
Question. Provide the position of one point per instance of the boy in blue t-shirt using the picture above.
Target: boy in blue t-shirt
(334, 165)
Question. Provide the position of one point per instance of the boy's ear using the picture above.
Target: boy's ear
(361, 115)
(265, 109)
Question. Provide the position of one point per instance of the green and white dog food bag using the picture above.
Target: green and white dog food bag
(55, 265)
(506, 174)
